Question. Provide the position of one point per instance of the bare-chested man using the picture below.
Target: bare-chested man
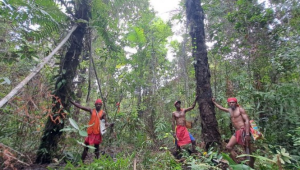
(182, 136)
(240, 121)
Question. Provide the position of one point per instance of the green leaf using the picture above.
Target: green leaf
(59, 85)
(283, 150)
(240, 167)
(281, 160)
(89, 146)
(258, 157)
(285, 159)
(226, 157)
(6, 80)
(285, 154)
(73, 123)
(68, 129)
(35, 58)
(64, 71)
(83, 133)
(81, 21)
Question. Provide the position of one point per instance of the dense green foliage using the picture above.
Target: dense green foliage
(253, 51)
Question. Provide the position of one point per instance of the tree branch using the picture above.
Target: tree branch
(67, 8)
(38, 69)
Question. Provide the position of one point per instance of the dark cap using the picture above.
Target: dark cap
(178, 101)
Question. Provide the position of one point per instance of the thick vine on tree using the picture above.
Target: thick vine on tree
(63, 86)
(209, 124)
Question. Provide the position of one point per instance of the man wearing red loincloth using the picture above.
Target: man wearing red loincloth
(241, 123)
(182, 136)
(94, 131)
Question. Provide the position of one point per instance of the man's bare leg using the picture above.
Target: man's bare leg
(193, 146)
(84, 153)
(230, 146)
(97, 151)
(178, 148)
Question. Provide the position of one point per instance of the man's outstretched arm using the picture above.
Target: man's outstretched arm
(219, 106)
(81, 107)
(193, 106)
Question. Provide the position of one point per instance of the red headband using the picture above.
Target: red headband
(98, 101)
(231, 99)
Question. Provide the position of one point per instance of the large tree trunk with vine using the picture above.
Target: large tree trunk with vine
(209, 124)
(63, 88)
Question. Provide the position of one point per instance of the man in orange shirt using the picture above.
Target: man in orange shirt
(94, 131)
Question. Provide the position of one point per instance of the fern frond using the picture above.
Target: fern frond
(44, 16)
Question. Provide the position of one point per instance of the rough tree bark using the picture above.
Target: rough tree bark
(209, 124)
(63, 86)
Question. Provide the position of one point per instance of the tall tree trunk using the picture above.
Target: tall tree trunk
(63, 87)
(80, 84)
(209, 124)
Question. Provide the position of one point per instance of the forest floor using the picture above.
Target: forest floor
(89, 159)
(91, 156)
(223, 164)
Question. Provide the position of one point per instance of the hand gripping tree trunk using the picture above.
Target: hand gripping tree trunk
(209, 124)
(63, 87)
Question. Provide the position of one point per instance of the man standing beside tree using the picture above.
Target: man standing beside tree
(241, 123)
(94, 131)
(181, 135)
